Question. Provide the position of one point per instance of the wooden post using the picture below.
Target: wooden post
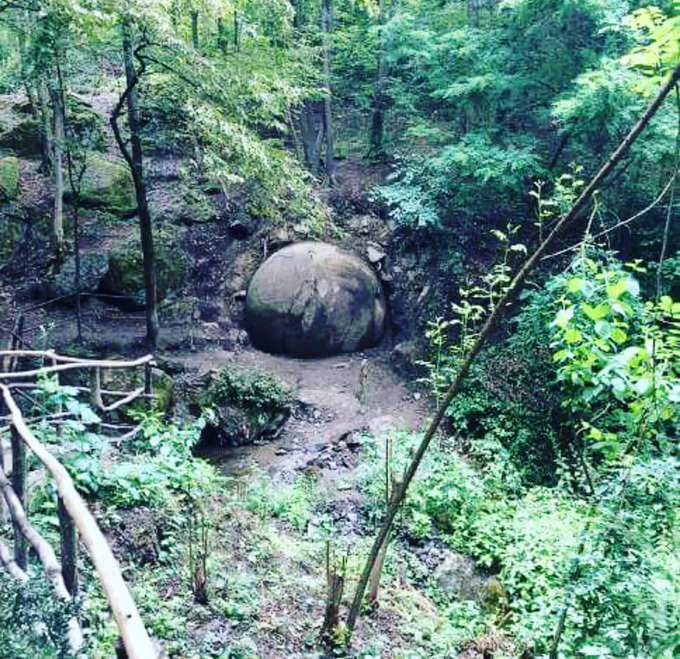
(147, 384)
(96, 389)
(69, 548)
(19, 487)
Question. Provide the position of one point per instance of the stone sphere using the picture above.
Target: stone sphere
(312, 299)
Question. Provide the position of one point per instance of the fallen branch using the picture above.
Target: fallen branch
(496, 314)
(123, 401)
(10, 564)
(46, 370)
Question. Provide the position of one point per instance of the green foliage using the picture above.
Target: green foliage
(499, 407)
(472, 176)
(293, 503)
(9, 178)
(617, 357)
(32, 622)
(547, 550)
(158, 461)
(253, 390)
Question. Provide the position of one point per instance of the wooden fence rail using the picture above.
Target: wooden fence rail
(75, 518)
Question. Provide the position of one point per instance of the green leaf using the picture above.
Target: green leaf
(603, 329)
(596, 313)
(666, 304)
(615, 291)
(643, 385)
(563, 317)
(575, 284)
(618, 336)
(632, 286)
(572, 335)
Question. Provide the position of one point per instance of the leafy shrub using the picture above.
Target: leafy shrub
(32, 621)
(473, 176)
(253, 390)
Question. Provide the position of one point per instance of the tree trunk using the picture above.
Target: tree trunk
(145, 225)
(327, 116)
(221, 43)
(194, 29)
(45, 133)
(312, 134)
(376, 149)
(58, 168)
(237, 29)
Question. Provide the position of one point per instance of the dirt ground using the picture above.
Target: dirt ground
(340, 397)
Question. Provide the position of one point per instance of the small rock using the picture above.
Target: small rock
(417, 396)
(405, 357)
(170, 366)
(240, 295)
(374, 253)
(279, 238)
(93, 267)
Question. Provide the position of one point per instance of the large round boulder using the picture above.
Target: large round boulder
(312, 299)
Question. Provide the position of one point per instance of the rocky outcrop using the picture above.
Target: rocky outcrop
(93, 266)
(242, 408)
(9, 178)
(125, 274)
(312, 299)
(23, 138)
(107, 184)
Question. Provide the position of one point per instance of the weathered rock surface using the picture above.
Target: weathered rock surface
(23, 139)
(93, 267)
(9, 178)
(107, 184)
(312, 299)
(125, 274)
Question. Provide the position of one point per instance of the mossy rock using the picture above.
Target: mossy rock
(11, 231)
(245, 407)
(23, 138)
(9, 178)
(107, 184)
(125, 275)
(93, 267)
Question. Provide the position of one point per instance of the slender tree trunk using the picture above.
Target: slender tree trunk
(75, 180)
(221, 43)
(237, 29)
(194, 29)
(496, 315)
(669, 211)
(376, 147)
(58, 168)
(312, 134)
(327, 115)
(45, 133)
(136, 165)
